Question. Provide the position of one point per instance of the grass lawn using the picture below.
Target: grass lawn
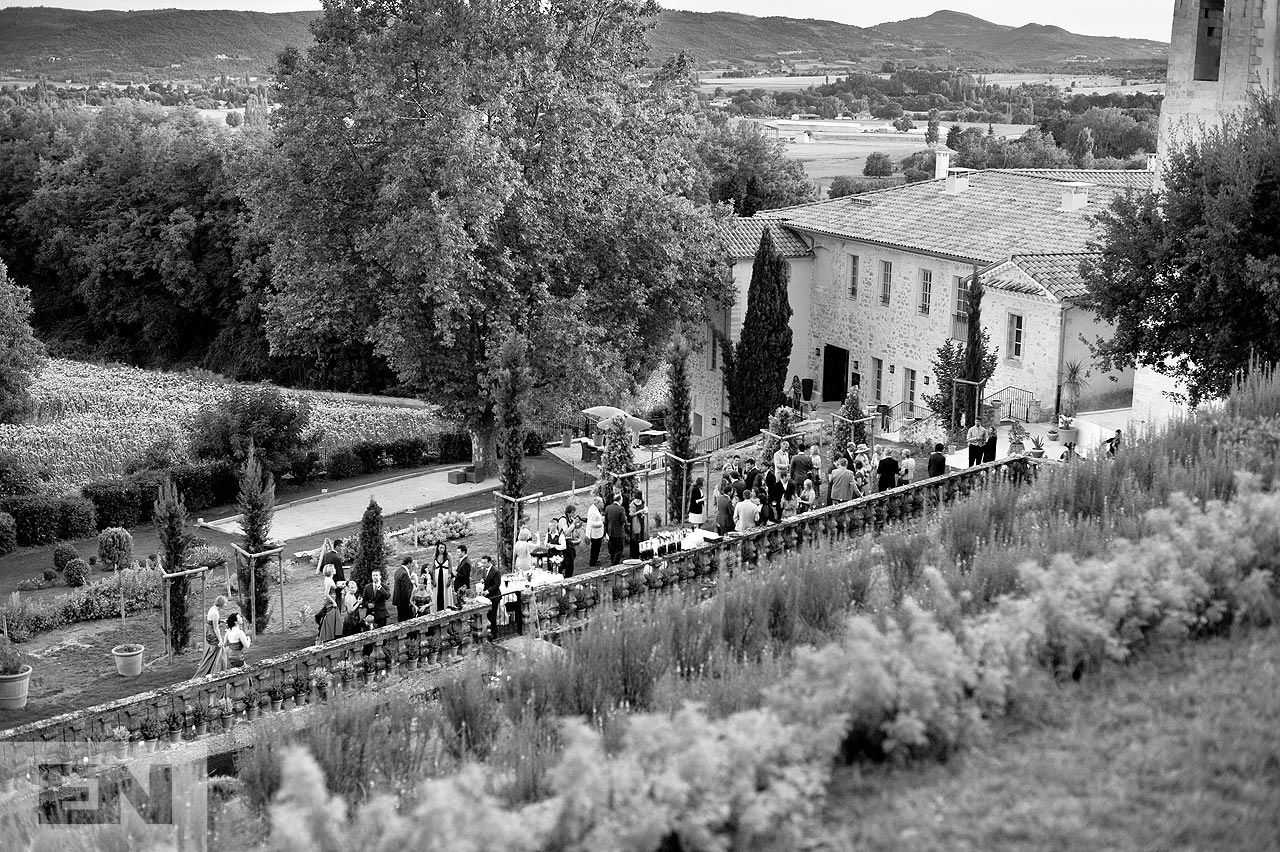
(1178, 751)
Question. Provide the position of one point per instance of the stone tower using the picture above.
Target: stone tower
(1221, 50)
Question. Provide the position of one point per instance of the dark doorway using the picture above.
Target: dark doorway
(835, 374)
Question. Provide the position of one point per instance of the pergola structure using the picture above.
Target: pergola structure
(250, 560)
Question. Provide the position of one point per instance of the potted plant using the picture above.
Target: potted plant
(7, 777)
(1067, 431)
(322, 680)
(411, 652)
(226, 709)
(251, 698)
(199, 714)
(301, 689)
(15, 677)
(433, 650)
(1017, 438)
(120, 740)
(275, 694)
(152, 729)
(343, 671)
(174, 723)
(128, 659)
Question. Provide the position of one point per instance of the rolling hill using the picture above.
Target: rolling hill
(75, 44)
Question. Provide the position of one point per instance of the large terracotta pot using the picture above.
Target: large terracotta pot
(128, 659)
(13, 689)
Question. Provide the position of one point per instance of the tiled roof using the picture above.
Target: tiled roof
(1002, 213)
(1057, 273)
(1136, 179)
(743, 238)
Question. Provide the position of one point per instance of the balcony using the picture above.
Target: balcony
(960, 327)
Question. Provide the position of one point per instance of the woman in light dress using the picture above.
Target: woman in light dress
(523, 550)
(215, 653)
(442, 569)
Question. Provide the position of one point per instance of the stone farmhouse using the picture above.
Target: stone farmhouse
(879, 282)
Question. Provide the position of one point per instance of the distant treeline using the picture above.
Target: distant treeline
(130, 225)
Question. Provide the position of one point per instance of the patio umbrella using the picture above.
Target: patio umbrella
(603, 412)
(635, 424)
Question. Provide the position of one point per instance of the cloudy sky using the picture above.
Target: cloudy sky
(1135, 18)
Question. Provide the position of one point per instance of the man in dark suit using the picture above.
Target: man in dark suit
(334, 558)
(887, 472)
(615, 528)
(402, 590)
(937, 461)
(492, 590)
(376, 596)
(750, 474)
(462, 577)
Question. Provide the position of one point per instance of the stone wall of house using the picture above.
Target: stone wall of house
(1249, 60)
(1084, 323)
(1037, 369)
(897, 333)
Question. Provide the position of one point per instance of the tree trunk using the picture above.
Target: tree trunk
(484, 448)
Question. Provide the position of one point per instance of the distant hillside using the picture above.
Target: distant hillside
(63, 42)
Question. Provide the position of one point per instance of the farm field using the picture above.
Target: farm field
(1099, 85)
(769, 84)
(89, 421)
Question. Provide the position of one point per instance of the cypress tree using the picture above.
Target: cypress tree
(257, 502)
(852, 410)
(513, 384)
(756, 370)
(170, 515)
(617, 460)
(371, 549)
(679, 431)
(975, 352)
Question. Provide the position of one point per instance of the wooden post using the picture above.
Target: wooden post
(165, 580)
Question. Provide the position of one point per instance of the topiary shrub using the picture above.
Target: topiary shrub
(64, 553)
(115, 547)
(49, 574)
(76, 573)
(37, 518)
(534, 443)
(344, 464)
(78, 519)
(8, 533)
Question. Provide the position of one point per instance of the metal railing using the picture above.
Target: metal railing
(1011, 403)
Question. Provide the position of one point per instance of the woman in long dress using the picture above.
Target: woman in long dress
(523, 551)
(697, 504)
(443, 570)
(215, 655)
(423, 593)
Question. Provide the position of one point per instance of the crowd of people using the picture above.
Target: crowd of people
(792, 483)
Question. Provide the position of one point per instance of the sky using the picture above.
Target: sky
(1150, 19)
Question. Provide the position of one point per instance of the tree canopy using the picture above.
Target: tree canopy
(1190, 277)
(21, 355)
(444, 173)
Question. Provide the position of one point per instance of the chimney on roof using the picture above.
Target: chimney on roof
(1153, 163)
(941, 163)
(957, 180)
(1075, 195)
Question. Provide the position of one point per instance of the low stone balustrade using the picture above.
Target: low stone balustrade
(424, 641)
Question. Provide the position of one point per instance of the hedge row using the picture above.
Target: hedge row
(369, 456)
(39, 520)
(128, 501)
(99, 599)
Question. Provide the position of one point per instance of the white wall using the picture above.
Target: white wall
(1037, 369)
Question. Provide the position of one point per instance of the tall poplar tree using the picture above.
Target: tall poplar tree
(513, 385)
(679, 431)
(370, 547)
(976, 358)
(257, 502)
(21, 355)
(756, 366)
(170, 516)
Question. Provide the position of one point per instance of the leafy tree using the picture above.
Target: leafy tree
(257, 502)
(948, 364)
(931, 134)
(903, 124)
(371, 552)
(170, 516)
(1082, 150)
(234, 119)
(679, 429)
(919, 166)
(954, 134)
(782, 421)
(1188, 276)
(262, 420)
(514, 384)
(15, 477)
(851, 409)
(21, 355)
(879, 164)
(843, 185)
(543, 190)
(1033, 150)
(751, 171)
(617, 459)
(756, 366)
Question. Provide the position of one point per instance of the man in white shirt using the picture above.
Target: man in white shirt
(977, 438)
(747, 514)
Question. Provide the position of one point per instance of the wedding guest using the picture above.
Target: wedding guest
(615, 527)
(841, 487)
(570, 526)
(328, 581)
(887, 473)
(523, 560)
(807, 498)
(328, 619)
(937, 461)
(402, 589)
(423, 592)
(236, 641)
(747, 514)
(215, 655)
(907, 468)
(492, 590)
(462, 577)
(697, 503)
(442, 568)
(724, 510)
(595, 530)
(782, 459)
(376, 596)
(639, 524)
